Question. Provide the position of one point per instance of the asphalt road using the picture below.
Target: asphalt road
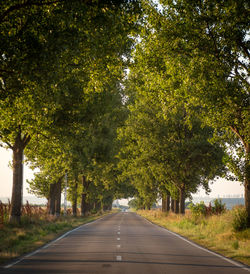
(123, 243)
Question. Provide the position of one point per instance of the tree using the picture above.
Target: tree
(202, 51)
(162, 145)
(51, 52)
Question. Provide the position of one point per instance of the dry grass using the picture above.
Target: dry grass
(35, 231)
(214, 232)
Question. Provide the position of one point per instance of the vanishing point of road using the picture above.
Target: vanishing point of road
(123, 243)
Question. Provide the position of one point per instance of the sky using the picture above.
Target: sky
(220, 188)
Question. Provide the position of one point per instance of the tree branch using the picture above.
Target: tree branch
(25, 5)
(26, 140)
(6, 142)
(6, 71)
(245, 49)
(243, 65)
(236, 131)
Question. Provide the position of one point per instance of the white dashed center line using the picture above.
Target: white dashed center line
(118, 258)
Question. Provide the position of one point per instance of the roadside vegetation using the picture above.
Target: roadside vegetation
(224, 233)
(36, 228)
(122, 99)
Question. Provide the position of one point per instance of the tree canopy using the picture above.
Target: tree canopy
(129, 98)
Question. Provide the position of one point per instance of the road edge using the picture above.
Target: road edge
(25, 256)
(232, 261)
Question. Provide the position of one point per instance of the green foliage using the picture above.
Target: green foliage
(165, 149)
(197, 53)
(198, 209)
(235, 245)
(240, 219)
(133, 203)
(218, 207)
(60, 72)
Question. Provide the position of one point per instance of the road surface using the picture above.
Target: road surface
(123, 243)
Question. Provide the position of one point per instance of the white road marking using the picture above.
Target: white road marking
(49, 244)
(118, 239)
(118, 232)
(118, 246)
(200, 247)
(118, 258)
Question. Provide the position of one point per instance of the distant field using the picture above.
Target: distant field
(230, 202)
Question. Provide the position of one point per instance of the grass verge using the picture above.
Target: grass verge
(33, 233)
(214, 232)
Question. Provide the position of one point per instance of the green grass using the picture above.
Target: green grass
(33, 233)
(214, 232)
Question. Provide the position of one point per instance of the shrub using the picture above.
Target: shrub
(218, 207)
(240, 219)
(235, 245)
(198, 209)
(202, 210)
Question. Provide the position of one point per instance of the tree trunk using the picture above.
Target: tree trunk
(172, 204)
(58, 190)
(110, 206)
(17, 187)
(168, 203)
(164, 204)
(90, 206)
(247, 183)
(52, 199)
(83, 205)
(74, 204)
(97, 205)
(84, 197)
(182, 200)
(176, 206)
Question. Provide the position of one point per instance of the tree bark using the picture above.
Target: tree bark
(58, 190)
(182, 200)
(17, 187)
(246, 172)
(74, 204)
(84, 205)
(97, 205)
(164, 204)
(172, 204)
(89, 206)
(53, 189)
(247, 183)
(51, 200)
(168, 203)
(176, 206)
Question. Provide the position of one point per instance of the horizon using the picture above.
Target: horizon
(219, 188)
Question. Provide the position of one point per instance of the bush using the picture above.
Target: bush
(235, 245)
(218, 207)
(202, 210)
(240, 219)
(198, 209)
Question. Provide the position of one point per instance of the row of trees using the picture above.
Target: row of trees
(190, 73)
(167, 151)
(62, 63)
(131, 98)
